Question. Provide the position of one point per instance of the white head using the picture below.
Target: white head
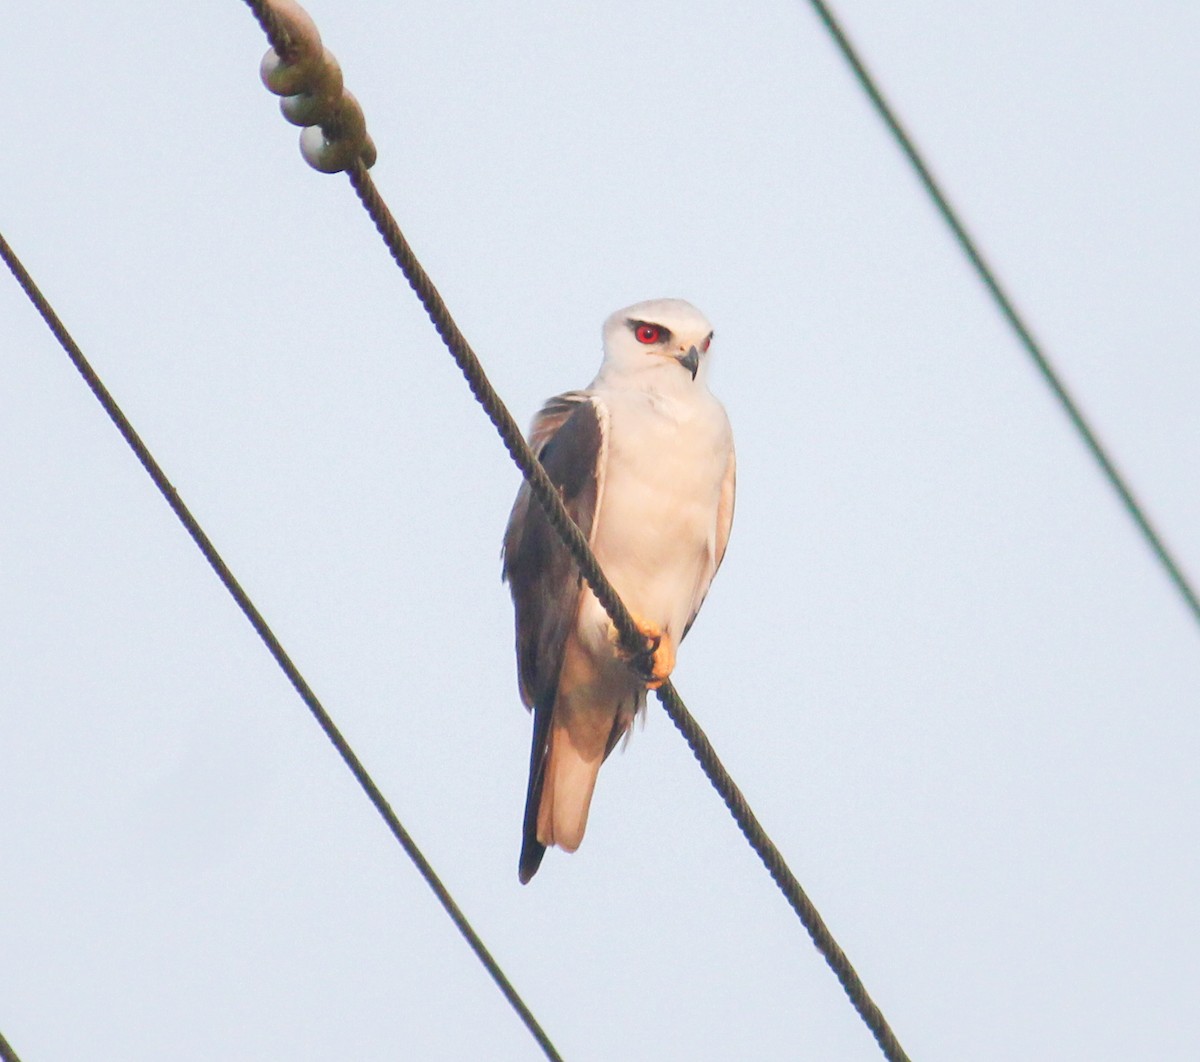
(663, 342)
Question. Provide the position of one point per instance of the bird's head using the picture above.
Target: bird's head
(665, 340)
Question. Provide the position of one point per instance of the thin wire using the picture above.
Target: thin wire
(1008, 309)
(550, 501)
(324, 720)
(6, 1051)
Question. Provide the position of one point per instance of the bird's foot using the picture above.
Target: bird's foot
(655, 662)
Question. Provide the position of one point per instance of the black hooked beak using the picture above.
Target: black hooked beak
(690, 361)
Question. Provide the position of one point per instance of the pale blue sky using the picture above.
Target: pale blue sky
(939, 660)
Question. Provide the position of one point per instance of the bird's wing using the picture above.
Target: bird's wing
(724, 525)
(568, 435)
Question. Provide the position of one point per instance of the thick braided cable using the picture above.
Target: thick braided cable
(510, 432)
(631, 638)
(274, 646)
(782, 875)
(548, 497)
(481, 387)
(274, 28)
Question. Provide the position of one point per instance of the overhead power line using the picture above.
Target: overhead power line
(293, 39)
(548, 497)
(1009, 310)
(251, 612)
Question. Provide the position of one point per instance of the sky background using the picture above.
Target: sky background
(944, 668)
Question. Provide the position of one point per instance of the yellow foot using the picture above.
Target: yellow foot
(655, 663)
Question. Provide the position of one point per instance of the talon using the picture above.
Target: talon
(655, 662)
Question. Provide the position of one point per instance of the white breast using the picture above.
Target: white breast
(657, 522)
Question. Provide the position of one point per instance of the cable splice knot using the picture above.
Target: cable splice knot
(339, 140)
(310, 81)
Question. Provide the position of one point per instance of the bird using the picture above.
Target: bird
(643, 459)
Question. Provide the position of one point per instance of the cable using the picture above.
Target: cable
(548, 497)
(631, 638)
(6, 1051)
(324, 720)
(1008, 310)
(773, 860)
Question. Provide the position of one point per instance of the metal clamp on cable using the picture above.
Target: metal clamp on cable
(310, 82)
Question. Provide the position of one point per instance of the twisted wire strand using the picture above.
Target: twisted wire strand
(548, 497)
(1008, 310)
(276, 649)
(273, 27)
(781, 874)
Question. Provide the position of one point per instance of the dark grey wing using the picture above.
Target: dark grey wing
(568, 437)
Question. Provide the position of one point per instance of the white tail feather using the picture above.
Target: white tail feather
(572, 764)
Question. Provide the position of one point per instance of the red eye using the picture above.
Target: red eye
(647, 333)
(705, 345)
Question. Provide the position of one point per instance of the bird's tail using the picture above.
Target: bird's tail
(569, 745)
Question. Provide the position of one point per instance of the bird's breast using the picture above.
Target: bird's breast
(666, 461)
